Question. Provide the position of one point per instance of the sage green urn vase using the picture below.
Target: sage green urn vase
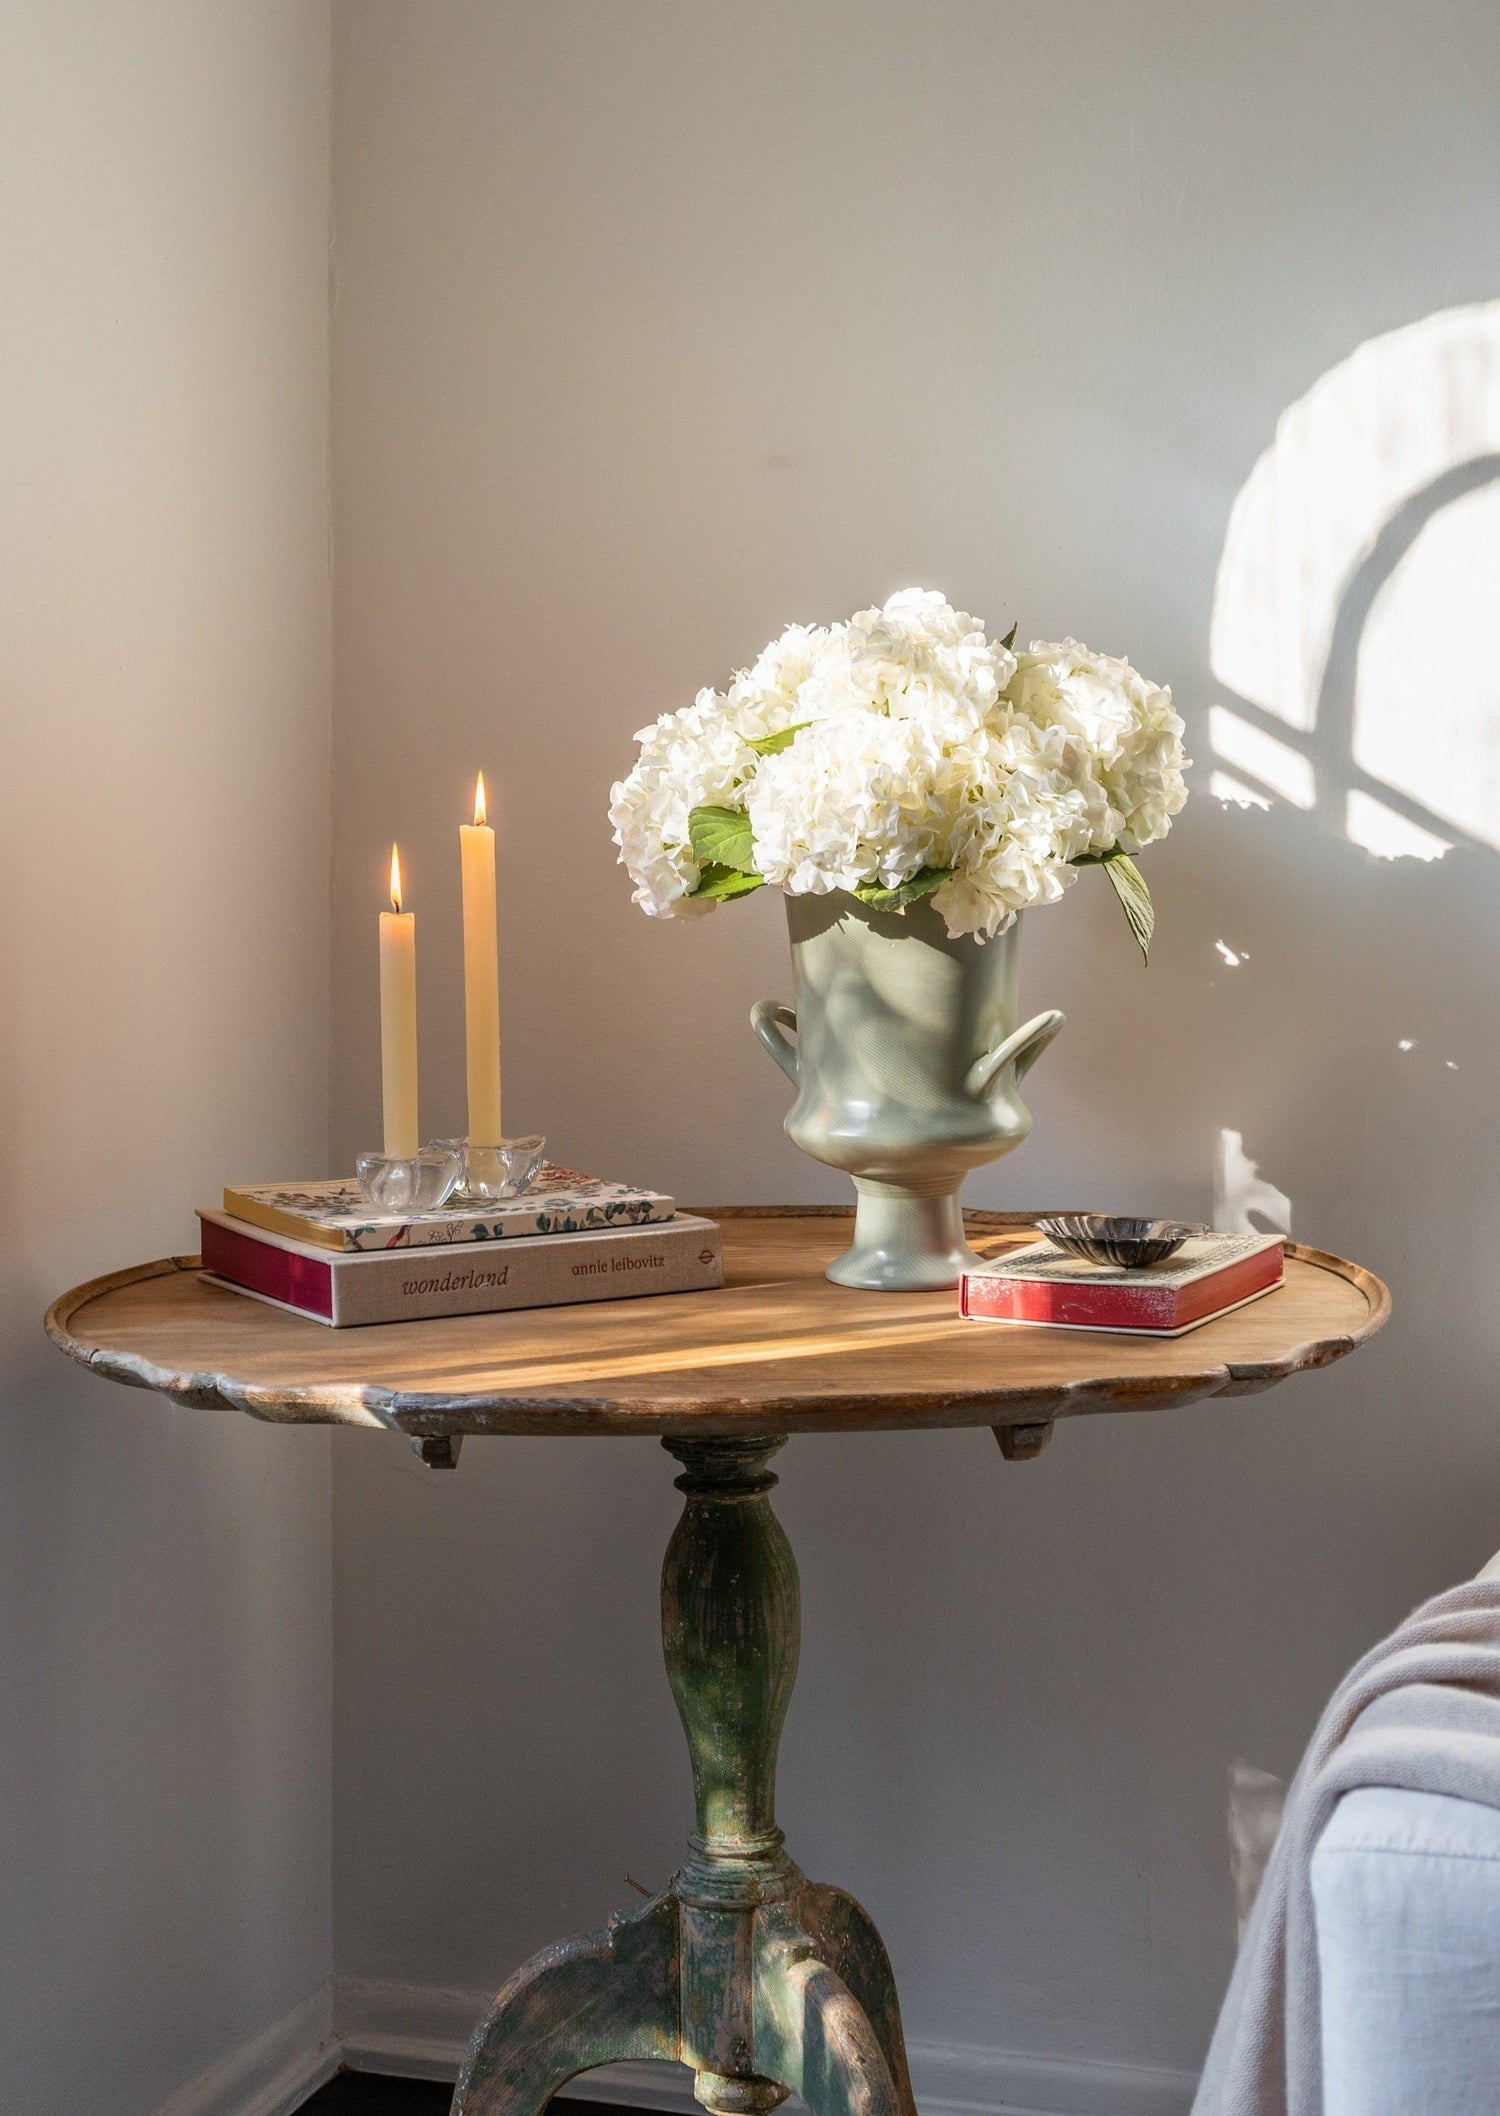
(907, 1064)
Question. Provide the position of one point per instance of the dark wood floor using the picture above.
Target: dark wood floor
(371, 2094)
(368, 2094)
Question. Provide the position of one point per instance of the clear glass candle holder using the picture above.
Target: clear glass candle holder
(490, 1174)
(423, 1183)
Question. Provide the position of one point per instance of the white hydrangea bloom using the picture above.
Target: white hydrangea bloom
(694, 758)
(765, 699)
(1014, 836)
(700, 757)
(921, 744)
(916, 657)
(858, 797)
(1124, 736)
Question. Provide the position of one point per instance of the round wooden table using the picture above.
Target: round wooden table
(761, 1981)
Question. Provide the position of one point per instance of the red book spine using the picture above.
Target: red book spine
(1118, 1304)
(303, 1282)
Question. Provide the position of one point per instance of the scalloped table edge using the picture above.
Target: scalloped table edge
(434, 1416)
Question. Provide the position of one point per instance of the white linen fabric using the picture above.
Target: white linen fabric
(1419, 1712)
(1406, 1889)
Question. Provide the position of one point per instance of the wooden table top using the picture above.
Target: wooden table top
(778, 1350)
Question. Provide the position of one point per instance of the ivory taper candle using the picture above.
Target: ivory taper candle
(481, 975)
(398, 1022)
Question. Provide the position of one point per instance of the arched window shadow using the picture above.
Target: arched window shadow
(1312, 710)
(1333, 735)
(1330, 744)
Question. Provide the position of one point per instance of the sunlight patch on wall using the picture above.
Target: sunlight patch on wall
(1276, 765)
(1242, 1195)
(1380, 830)
(1427, 690)
(1223, 786)
(1353, 601)
(1399, 413)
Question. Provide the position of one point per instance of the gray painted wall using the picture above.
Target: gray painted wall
(655, 327)
(165, 1644)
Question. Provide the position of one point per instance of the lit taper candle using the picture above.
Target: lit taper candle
(481, 975)
(398, 1022)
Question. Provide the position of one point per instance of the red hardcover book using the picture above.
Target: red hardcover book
(1209, 1275)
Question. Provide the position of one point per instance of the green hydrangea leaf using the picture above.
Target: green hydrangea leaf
(772, 745)
(717, 884)
(922, 883)
(1130, 887)
(720, 837)
(1010, 638)
(1135, 900)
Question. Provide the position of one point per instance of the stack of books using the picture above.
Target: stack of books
(1209, 1275)
(318, 1250)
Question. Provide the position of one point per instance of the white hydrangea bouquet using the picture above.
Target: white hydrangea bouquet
(911, 787)
(900, 756)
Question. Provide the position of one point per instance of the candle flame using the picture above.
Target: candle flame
(395, 878)
(481, 813)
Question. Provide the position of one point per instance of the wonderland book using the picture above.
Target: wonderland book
(680, 1255)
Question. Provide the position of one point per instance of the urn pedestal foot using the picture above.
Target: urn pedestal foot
(905, 1240)
(761, 1982)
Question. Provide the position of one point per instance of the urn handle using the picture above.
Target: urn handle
(1021, 1050)
(770, 1018)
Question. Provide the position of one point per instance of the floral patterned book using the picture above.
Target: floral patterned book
(333, 1213)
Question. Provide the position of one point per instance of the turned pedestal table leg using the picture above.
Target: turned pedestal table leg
(760, 1981)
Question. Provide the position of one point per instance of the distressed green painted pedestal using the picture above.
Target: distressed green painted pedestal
(762, 1981)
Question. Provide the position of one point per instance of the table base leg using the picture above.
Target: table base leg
(827, 2022)
(762, 1982)
(584, 2002)
(844, 1935)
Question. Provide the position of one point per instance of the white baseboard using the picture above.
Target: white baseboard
(420, 2033)
(273, 2073)
(415, 2031)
